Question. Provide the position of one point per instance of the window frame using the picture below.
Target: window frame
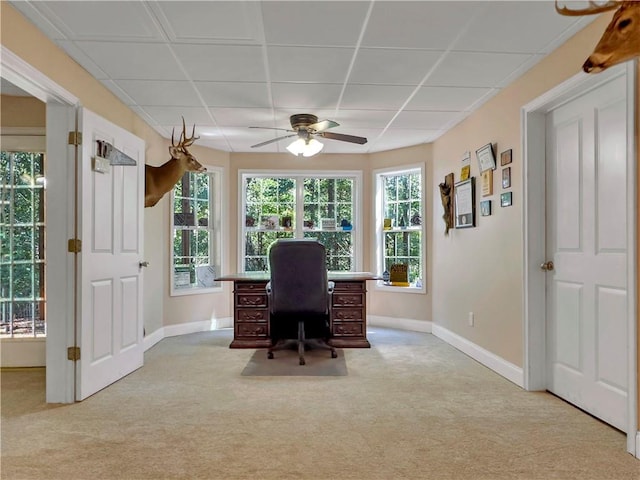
(298, 231)
(218, 220)
(378, 231)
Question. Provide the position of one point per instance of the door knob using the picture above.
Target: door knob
(143, 264)
(547, 266)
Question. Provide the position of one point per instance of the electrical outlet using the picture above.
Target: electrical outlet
(471, 319)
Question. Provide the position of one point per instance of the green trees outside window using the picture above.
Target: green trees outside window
(196, 248)
(299, 206)
(22, 281)
(401, 212)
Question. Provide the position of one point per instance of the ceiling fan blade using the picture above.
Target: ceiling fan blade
(274, 128)
(344, 138)
(322, 125)
(272, 140)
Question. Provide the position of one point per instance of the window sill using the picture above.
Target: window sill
(393, 289)
(194, 290)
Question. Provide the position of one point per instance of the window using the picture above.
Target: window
(301, 206)
(22, 295)
(399, 225)
(196, 245)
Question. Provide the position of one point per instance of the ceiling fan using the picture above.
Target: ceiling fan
(306, 126)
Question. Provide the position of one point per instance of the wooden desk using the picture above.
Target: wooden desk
(348, 321)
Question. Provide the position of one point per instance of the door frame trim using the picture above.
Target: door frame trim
(61, 107)
(533, 130)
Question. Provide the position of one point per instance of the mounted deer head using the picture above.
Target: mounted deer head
(159, 180)
(620, 41)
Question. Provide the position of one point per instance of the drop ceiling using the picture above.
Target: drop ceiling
(399, 73)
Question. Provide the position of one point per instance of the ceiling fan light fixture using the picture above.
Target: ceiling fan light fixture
(305, 148)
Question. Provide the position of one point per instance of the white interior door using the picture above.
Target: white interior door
(109, 302)
(587, 242)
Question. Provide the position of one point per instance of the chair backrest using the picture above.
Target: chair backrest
(298, 277)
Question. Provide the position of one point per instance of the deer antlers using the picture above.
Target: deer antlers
(184, 142)
(593, 7)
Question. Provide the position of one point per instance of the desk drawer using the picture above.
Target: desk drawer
(252, 329)
(348, 299)
(348, 329)
(250, 286)
(252, 315)
(251, 300)
(349, 286)
(347, 314)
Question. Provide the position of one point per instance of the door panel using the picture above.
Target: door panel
(587, 241)
(110, 291)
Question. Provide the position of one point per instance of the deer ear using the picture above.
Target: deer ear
(173, 151)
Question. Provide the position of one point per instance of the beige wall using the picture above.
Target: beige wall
(480, 270)
(22, 112)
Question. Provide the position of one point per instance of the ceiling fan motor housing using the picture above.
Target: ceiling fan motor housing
(302, 120)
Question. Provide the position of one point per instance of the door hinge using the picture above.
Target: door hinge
(74, 245)
(73, 353)
(75, 138)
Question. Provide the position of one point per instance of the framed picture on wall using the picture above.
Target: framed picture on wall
(506, 177)
(464, 204)
(486, 158)
(505, 158)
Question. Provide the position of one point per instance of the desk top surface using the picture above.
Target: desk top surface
(264, 276)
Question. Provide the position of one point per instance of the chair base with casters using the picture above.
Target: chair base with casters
(302, 344)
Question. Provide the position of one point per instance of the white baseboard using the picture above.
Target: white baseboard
(498, 364)
(23, 352)
(186, 328)
(399, 323)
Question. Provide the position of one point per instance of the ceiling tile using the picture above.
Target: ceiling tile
(306, 96)
(312, 64)
(123, 61)
(218, 21)
(376, 97)
(500, 27)
(160, 92)
(128, 21)
(243, 117)
(425, 24)
(222, 63)
(462, 69)
(392, 66)
(173, 115)
(447, 98)
(234, 94)
(313, 23)
(423, 120)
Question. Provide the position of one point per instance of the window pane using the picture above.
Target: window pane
(402, 202)
(193, 238)
(323, 198)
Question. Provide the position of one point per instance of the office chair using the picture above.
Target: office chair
(299, 295)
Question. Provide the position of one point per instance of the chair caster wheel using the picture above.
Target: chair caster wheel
(270, 355)
(334, 354)
(302, 361)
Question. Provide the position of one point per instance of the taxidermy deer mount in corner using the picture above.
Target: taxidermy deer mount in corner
(621, 39)
(159, 180)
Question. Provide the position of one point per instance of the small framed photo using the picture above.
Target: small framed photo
(505, 158)
(506, 177)
(505, 199)
(485, 208)
(486, 158)
(487, 183)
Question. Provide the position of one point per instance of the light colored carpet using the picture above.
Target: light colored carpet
(318, 363)
(411, 407)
